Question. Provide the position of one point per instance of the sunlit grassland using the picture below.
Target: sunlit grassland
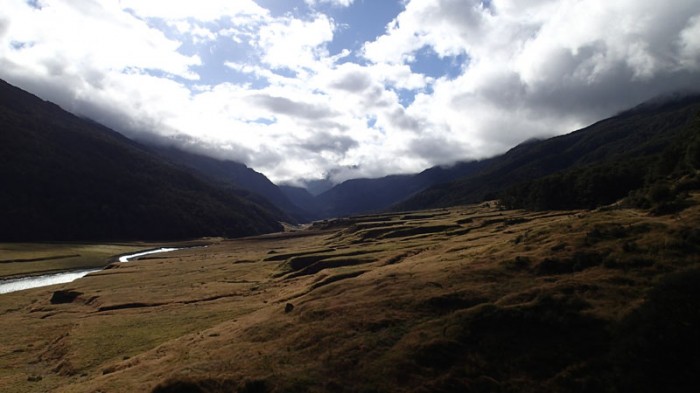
(473, 297)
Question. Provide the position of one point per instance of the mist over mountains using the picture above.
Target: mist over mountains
(311, 196)
(604, 161)
(67, 178)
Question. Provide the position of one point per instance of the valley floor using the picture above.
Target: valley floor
(33, 259)
(465, 299)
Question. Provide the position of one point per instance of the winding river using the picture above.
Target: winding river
(18, 284)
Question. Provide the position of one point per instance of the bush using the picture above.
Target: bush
(578, 262)
(658, 343)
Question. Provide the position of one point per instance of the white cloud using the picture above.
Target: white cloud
(293, 43)
(284, 104)
(336, 3)
(689, 43)
(201, 10)
(198, 33)
(541, 67)
(84, 37)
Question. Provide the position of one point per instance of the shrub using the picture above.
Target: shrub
(658, 343)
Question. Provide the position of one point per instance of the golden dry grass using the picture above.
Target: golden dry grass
(463, 299)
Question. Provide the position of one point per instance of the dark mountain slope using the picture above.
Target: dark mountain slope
(623, 142)
(301, 197)
(363, 195)
(658, 182)
(371, 195)
(234, 174)
(65, 178)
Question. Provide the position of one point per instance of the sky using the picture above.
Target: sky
(336, 89)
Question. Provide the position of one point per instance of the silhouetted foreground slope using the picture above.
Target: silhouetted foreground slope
(65, 178)
(596, 165)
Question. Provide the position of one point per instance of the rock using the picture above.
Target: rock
(64, 296)
(288, 308)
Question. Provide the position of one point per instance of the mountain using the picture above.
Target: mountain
(317, 187)
(237, 175)
(606, 160)
(363, 195)
(66, 178)
(372, 195)
(302, 198)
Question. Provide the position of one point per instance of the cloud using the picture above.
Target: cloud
(273, 90)
(285, 106)
(106, 40)
(336, 3)
(689, 44)
(541, 67)
(400, 119)
(436, 148)
(324, 141)
(294, 44)
(202, 10)
(4, 25)
(353, 82)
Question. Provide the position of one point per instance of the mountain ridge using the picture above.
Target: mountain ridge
(65, 178)
(361, 196)
(608, 139)
(234, 174)
(644, 131)
(639, 131)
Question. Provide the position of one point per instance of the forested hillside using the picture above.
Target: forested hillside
(66, 178)
(596, 165)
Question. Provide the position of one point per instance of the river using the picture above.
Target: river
(18, 284)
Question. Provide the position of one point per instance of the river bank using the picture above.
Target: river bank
(37, 281)
(18, 260)
(463, 299)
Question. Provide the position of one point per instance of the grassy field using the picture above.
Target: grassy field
(25, 259)
(471, 299)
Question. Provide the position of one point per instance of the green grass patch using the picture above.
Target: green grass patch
(19, 259)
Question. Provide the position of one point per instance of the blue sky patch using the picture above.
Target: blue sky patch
(34, 4)
(428, 62)
(363, 21)
(279, 8)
